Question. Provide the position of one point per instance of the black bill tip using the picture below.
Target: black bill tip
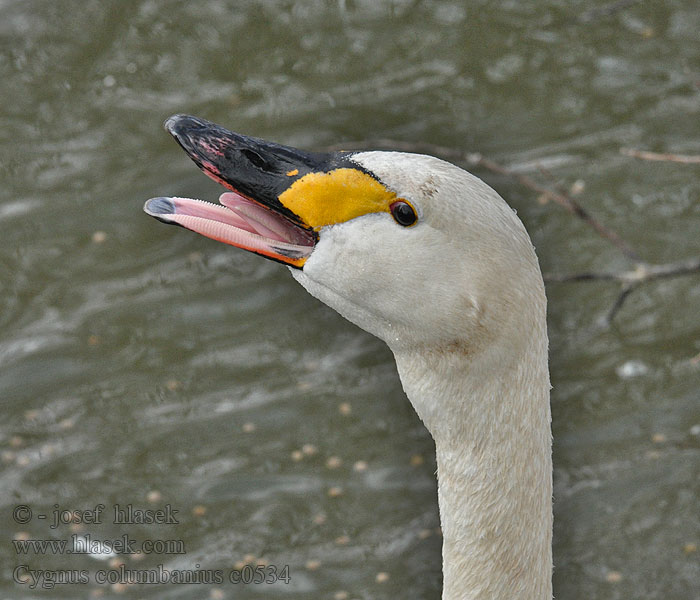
(178, 124)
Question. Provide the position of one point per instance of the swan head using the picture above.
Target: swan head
(413, 249)
(430, 259)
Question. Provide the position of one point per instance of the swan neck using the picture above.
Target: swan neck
(492, 435)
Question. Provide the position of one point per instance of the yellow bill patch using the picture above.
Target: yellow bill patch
(337, 196)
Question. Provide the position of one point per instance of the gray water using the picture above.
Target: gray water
(145, 365)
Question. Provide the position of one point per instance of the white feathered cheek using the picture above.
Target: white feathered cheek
(366, 260)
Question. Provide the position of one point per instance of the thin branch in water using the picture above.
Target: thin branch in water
(631, 280)
(641, 273)
(565, 201)
(627, 289)
(552, 179)
(682, 267)
(685, 159)
(584, 276)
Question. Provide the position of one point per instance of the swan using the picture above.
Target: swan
(430, 259)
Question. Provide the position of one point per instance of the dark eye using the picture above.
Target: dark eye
(403, 213)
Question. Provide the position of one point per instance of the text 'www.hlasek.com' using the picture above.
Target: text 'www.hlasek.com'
(64, 544)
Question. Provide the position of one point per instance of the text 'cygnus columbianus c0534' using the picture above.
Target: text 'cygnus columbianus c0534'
(431, 260)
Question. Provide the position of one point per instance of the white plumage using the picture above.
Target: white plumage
(460, 301)
(450, 281)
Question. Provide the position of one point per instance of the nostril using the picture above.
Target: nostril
(256, 159)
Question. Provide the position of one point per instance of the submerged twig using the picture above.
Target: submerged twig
(686, 159)
(641, 273)
(631, 280)
(627, 289)
(565, 201)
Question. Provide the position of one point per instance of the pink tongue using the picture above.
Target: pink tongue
(232, 200)
(263, 221)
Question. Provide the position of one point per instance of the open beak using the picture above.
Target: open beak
(250, 215)
(280, 197)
